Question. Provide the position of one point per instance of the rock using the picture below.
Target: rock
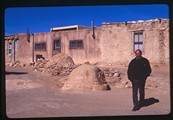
(110, 74)
(99, 87)
(117, 74)
(128, 86)
(87, 62)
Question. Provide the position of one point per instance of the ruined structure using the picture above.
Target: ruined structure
(110, 43)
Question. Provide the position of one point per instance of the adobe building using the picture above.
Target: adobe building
(111, 43)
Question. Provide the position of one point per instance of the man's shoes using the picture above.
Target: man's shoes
(135, 108)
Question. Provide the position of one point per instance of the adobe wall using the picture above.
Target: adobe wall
(8, 57)
(117, 41)
(24, 49)
(40, 38)
(113, 43)
(90, 52)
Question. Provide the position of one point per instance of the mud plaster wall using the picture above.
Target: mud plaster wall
(112, 43)
(117, 42)
(43, 38)
(8, 57)
(24, 49)
(90, 51)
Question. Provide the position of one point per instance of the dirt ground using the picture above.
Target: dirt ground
(31, 94)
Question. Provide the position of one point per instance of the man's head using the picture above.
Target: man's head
(138, 53)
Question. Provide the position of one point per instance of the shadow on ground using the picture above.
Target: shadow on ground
(148, 102)
(15, 73)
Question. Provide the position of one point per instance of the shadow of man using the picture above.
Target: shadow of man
(148, 102)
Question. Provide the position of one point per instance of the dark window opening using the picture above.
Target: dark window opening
(39, 57)
(138, 41)
(76, 44)
(40, 46)
(57, 45)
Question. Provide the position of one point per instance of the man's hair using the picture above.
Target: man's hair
(139, 51)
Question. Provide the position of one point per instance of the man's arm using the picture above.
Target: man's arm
(148, 68)
(130, 71)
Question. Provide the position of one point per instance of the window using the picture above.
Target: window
(57, 45)
(10, 48)
(76, 44)
(40, 46)
(138, 41)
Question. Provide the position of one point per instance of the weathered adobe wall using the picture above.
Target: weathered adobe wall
(117, 41)
(41, 38)
(116, 44)
(112, 43)
(91, 50)
(156, 47)
(23, 50)
(8, 57)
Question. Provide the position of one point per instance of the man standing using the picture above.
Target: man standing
(138, 71)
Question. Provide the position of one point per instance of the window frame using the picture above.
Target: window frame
(42, 45)
(76, 44)
(138, 42)
(56, 48)
(10, 49)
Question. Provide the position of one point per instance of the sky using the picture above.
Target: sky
(41, 19)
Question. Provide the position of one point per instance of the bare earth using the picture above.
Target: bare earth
(33, 94)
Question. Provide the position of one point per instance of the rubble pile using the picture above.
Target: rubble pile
(119, 79)
(40, 65)
(111, 72)
(115, 78)
(16, 64)
(86, 77)
(60, 64)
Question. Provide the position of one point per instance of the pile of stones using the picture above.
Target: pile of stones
(16, 64)
(60, 64)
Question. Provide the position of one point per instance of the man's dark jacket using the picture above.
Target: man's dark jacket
(139, 69)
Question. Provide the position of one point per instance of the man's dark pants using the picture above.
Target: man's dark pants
(138, 85)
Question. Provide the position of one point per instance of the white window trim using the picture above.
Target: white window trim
(10, 48)
(143, 42)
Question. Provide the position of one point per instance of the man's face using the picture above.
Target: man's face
(138, 53)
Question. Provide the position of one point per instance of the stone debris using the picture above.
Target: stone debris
(86, 77)
(119, 79)
(60, 64)
(16, 64)
(110, 72)
(40, 65)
